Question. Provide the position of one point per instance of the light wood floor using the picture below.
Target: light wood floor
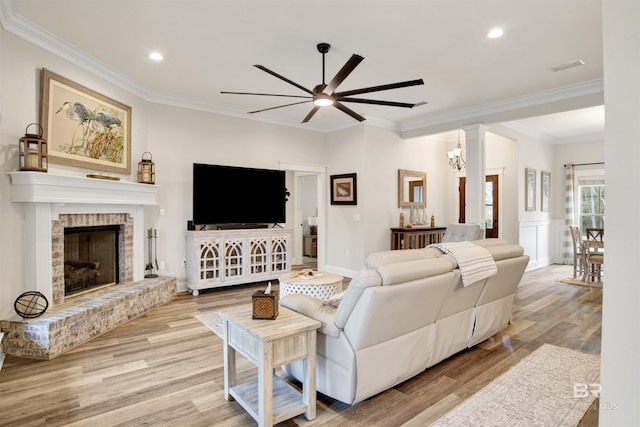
(166, 368)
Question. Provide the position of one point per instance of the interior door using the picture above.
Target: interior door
(491, 204)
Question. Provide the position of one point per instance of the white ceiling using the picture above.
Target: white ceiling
(210, 46)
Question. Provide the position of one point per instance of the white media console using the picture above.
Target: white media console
(228, 257)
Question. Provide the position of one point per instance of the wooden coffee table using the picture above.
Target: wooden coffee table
(322, 286)
(269, 344)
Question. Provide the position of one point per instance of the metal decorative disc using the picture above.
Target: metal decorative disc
(31, 304)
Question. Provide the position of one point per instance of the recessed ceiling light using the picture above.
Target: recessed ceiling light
(495, 33)
(156, 56)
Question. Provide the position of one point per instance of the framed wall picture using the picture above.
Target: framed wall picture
(530, 189)
(344, 189)
(84, 128)
(545, 190)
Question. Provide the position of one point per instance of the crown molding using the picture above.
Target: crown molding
(533, 133)
(590, 137)
(544, 137)
(476, 114)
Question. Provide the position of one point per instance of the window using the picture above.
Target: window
(591, 204)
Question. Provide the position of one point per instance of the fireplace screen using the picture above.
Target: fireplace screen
(90, 257)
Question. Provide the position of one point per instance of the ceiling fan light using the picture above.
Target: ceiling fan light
(323, 100)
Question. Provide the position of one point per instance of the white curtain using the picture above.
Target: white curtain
(567, 243)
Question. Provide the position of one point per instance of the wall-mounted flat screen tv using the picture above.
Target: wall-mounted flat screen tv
(236, 195)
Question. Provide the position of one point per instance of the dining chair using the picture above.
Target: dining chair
(594, 255)
(596, 234)
(578, 252)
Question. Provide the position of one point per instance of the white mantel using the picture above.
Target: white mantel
(48, 195)
(41, 187)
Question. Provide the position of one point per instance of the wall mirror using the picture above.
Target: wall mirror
(412, 189)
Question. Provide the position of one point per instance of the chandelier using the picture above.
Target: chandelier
(456, 160)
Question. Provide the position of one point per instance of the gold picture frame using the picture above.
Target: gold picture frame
(344, 190)
(530, 189)
(84, 128)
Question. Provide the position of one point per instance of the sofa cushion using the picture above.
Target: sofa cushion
(315, 309)
(407, 271)
(462, 233)
(493, 241)
(391, 257)
(363, 280)
(334, 300)
(505, 251)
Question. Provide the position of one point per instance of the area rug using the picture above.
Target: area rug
(573, 281)
(211, 320)
(537, 391)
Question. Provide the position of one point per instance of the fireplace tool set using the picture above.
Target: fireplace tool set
(152, 245)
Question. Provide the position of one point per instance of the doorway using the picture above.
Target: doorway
(319, 176)
(490, 208)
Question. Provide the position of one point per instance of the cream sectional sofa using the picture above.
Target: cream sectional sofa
(404, 312)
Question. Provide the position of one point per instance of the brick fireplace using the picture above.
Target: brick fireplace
(87, 222)
(53, 203)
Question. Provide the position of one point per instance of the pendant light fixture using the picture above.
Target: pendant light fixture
(455, 156)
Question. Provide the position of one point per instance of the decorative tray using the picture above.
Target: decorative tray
(306, 274)
(103, 176)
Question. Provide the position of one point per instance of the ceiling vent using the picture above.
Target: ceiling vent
(570, 64)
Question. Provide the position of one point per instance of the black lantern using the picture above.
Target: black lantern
(33, 151)
(146, 170)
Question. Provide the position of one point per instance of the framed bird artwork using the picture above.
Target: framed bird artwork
(84, 128)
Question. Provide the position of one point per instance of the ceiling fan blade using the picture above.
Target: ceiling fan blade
(291, 82)
(311, 113)
(346, 69)
(381, 87)
(376, 102)
(279, 106)
(349, 111)
(266, 94)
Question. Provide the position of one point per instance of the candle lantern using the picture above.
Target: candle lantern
(146, 170)
(32, 151)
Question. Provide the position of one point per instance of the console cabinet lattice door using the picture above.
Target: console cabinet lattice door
(209, 260)
(259, 263)
(279, 257)
(226, 257)
(234, 264)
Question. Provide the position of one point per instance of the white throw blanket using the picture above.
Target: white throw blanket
(475, 262)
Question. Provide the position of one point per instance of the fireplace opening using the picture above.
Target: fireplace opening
(90, 258)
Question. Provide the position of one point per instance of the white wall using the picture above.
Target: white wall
(620, 375)
(376, 154)
(344, 247)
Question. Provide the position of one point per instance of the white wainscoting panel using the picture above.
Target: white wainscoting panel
(536, 239)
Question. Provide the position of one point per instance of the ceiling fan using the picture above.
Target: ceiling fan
(326, 95)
